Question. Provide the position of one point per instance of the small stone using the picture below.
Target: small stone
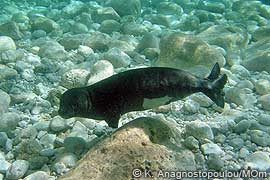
(74, 78)
(85, 51)
(38, 175)
(258, 160)
(9, 121)
(215, 162)
(52, 50)
(37, 162)
(48, 140)
(110, 26)
(106, 13)
(45, 24)
(79, 28)
(237, 143)
(68, 159)
(240, 97)
(265, 101)
(58, 124)
(220, 138)
(242, 126)
(260, 138)
(10, 29)
(200, 130)
(191, 106)
(60, 168)
(243, 153)
(3, 139)
(211, 148)
(240, 70)
(124, 8)
(203, 100)
(17, 169)
(99, 71)
(264, 119)
(262, 86)
(117, 57)
(191, 143)
(4, 102)
(4, 166)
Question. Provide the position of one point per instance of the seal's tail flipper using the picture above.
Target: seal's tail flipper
(215, 92)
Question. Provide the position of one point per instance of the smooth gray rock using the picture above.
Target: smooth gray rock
(74, 78)
(215, 162)
(110, 26)
(68, 159)
(4, 102)
(242, 126)
(264, 119)
(53, 50)
(6, 43)
(240, 97)
(11, 29)
(211, 148)
(199, 130)
(191, 143)
(123, 8)
(260, 138)
(5, 165)
(39, 175)
(106, 13)
(258, 160)
(9, 121)
(262, 86)
(237, 143)
(100, 70)
(58, 124)
(17, 169)
(265, 101)
(118, 58)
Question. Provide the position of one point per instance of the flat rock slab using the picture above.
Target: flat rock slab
(144, 143)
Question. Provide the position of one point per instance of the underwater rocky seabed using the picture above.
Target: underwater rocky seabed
(47, 47)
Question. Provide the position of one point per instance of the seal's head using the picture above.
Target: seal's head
(74, 103)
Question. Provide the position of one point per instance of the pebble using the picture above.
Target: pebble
(242, 126)
(258, 160)
(264, 119)
(262, 86)
(4, 102)
(3, 139)
(265, 101)
(237, 143)
(191, 106)
(260, 138)
(39, 175)
(6, 43)
(215, 162)
(9, 121)
(199, 130)
(68, 159)
(5, 165)
(58, 124)
(7, 73)
(191, 143)
(211, 148)
(48, 140)
(244, 152)
(74, 78)
(118, 58)
(100, 70)
(17, 169)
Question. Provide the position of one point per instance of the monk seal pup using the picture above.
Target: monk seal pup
(138, 89)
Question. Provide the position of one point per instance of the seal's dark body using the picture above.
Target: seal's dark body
(126, 91)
